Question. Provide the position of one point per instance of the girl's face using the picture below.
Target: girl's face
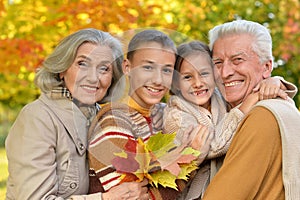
(90, 75)
(196, 81)
(150, 73)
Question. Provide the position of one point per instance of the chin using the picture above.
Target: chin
(88, 102)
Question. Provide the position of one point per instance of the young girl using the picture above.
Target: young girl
(196, 101)
(149, 65)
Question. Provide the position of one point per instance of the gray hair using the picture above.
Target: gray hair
(63, 56)
(262, 44)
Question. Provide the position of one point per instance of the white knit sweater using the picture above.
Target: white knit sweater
(288, 118)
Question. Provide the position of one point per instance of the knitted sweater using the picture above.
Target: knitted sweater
(263, 159)
(180, 114)
(109, 133)
(288, 119)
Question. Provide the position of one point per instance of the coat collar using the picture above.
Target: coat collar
(72, 119)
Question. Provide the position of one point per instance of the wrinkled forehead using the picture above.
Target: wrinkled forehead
(232, 45)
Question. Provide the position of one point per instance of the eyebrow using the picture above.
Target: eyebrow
(89, 59)
(85, 57)
(152, 62)
(237, 54)
(232, 56)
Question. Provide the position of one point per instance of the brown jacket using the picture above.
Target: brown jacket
(46, 151)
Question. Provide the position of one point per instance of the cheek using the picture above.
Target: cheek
(138, 81)
(211, 82)
(183, 86)
(216, 73)
(105, 81)
(167, 81)
(70, 79)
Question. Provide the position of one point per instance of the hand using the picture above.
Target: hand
(200, 138)
(270, 88)
(157, 116)
(249, 101)
(128, 190)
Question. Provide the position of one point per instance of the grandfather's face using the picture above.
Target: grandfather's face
(237, 68)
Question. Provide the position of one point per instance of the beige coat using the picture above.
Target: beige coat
(46, 151)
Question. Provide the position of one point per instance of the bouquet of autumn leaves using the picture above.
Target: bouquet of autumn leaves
(158, 159)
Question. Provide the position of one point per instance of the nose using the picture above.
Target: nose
(157, 77)
(197, 83)
(227, 69)
(92, 75)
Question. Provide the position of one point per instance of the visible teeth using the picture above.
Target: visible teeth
(89, 88)
(152, 89)
(200, 92)
(232, 84)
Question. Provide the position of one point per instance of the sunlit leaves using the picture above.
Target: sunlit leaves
(159, 160)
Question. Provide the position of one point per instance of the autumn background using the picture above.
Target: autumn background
(30, 29)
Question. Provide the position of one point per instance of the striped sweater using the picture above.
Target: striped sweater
(109, 132)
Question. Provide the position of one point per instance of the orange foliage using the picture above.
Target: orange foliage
(19, 52)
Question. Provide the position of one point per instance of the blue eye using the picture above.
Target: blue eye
(204, 73)
(103, 69)
(168, 70)
(218, 64)
(82, 64)
(147, 67)
(237, 60)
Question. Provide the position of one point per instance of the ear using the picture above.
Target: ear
(61, 75)
(126, 66)
(268, 67)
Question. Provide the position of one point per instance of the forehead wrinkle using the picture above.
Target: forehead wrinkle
(84, 57)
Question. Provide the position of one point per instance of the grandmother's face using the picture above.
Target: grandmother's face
(90, 75)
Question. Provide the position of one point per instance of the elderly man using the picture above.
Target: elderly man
(263, 161)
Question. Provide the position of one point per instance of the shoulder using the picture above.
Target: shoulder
(280, 107)
(116, 111)
(259, 123)
(34, 110)
(177, 108)
(258, 131)
(118, 118)
(261, 116)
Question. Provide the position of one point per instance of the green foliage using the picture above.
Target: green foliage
(3, 173)
(16, 90)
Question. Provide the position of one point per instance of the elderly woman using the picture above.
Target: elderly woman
(46, 146)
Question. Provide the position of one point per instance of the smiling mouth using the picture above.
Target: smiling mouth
(199, 92)
(233, 83)
(90, 88)
(151, 89)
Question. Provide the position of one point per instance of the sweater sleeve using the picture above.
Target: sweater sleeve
(178, 121)
(291, 88)
(109, 136)
(224, 132)
(252, 167)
